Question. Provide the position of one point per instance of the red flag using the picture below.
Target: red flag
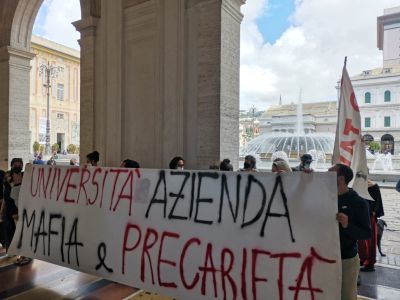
(349, 146)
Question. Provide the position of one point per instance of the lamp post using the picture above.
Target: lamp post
(50, 72)
(253, 111)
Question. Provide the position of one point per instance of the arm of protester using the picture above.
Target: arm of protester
(360, 227)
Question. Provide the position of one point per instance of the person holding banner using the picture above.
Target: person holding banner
(305, 164)
(280, 166)
(225, 165)
(2, 240)
(9, 208)
(177, 163)
(249, 164)
(16, 182)
(354, 225)
(93, 158)
(129, 163)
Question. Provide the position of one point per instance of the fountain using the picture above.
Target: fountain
(291, 146)
(384, 161)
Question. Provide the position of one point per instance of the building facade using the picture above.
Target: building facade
(316, 117)
(378, 90)
(64, 94)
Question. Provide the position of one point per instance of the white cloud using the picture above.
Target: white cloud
(56, 25)
(309, 54)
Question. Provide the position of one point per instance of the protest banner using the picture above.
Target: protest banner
(187, 234)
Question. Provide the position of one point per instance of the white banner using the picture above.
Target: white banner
(349, 146)
(187, 234)
(42, 130)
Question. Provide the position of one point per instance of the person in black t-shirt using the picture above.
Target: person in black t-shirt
(354, 225)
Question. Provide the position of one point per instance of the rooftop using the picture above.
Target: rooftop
(40, 41)
(315, 108)
(378, 72)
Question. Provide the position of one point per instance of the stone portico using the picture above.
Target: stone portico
(158, 79)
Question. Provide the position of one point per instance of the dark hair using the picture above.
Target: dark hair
(306, 157)
(173, 164)
(345, 171)
(252, 161)
(225, 165)
(93, 156)
(16, 160)
(278, 159)
(15, 170)
(129, 163)
(51, 162)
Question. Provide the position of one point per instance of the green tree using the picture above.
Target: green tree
(55, 147)
(374, 146)
(41, 148)
(71, 148)
(36, 147)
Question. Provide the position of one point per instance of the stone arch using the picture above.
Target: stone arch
(22, 25)
(142, 66)
(18, 17)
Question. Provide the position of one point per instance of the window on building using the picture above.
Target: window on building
(387, 96)
(367, 122)
(367, 97)
(387, 122)
(60, 92)
(60, 116)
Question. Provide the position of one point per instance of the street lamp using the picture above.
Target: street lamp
(50, 72)
(253, 111)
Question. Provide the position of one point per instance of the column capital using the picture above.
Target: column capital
(86, 26)
(8, 52)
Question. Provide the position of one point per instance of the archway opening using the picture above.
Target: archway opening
(54, 97)
(387, 144)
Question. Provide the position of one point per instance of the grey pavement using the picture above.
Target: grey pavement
(384, 283)
(391, 235)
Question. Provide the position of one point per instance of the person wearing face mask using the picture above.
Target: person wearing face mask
(305, 164)
(249, 164)
(177, 163)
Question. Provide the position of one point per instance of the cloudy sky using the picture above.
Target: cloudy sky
(286, 45)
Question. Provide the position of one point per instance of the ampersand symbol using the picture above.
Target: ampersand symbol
(101, 254)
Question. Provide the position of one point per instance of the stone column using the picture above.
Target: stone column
(14, 102)
(213, 58)
(87, 28)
